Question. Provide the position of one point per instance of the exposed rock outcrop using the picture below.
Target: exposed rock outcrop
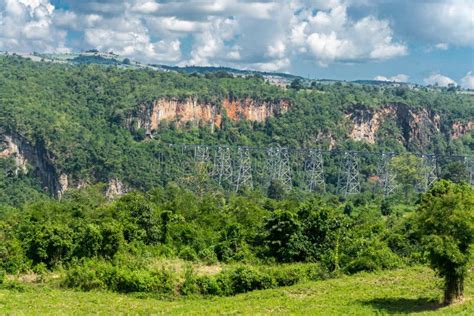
(10, 149)
(149, 116)
(366, 123)
(115, 188)
(459, 129)
(417, 126)
(26, 154)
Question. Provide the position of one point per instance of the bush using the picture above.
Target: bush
(286, 276)
(90, 241)
(209, 285)
(190, 284)
(51, 244)
(245, 279)
(12, 256)
(103, 275)
(83, 278)
(112, 239)
(369, 254)
(208, 256)
(188, 254)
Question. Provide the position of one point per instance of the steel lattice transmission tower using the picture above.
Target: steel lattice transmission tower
(201, 159)
(222, 170)
(272, 161)
(430, 171)
(386, 178)
(278, 165)
(469, 162)
(314, 171)
(285, 170)
(349, 177)
(243, 176)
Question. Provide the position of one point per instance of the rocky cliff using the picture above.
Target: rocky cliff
(34, 159)
(417, 126)
(149, 116)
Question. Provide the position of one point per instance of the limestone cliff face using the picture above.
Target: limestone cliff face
(149, 116)
(366, 123)
(115, 188)
(459, 129)
(417, 126)
(42, 164)
(252, 110)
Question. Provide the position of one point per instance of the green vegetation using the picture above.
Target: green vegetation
(414, 290)
(446, 220)
(189, 238)
(258, 242)
(76, 117)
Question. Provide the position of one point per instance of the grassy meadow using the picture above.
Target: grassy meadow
(410, 290)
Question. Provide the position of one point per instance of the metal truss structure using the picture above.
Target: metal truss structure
(430, 172)
(314, 171)
(243, 175)
(349, 177)
(385, 175)
(278, 165)
(310, 169)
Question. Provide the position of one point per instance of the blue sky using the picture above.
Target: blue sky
(429, 42)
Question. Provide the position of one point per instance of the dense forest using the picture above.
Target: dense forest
(80, 122)
(87, 130)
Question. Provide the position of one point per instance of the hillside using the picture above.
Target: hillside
(65, 126)
(401, 291)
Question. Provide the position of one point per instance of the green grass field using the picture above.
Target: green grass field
(413, 290)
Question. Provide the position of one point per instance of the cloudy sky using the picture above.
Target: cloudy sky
(423, 41)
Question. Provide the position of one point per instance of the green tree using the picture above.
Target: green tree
(456, 172)
(283, 232)
(296, 84)
(446, 223)
(276, 190)
(408, 171)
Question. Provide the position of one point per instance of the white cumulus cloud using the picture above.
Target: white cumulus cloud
(396, 78)
(331, 35)
(265, 34)
(27, 25)
(467, 81)
(438, 80)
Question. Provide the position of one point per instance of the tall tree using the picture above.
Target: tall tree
(408, 171)
(446, 223)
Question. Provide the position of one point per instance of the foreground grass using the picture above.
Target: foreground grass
(401, 291)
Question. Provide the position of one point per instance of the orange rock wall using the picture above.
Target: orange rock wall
(149, 116)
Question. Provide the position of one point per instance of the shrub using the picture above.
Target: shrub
(285, 276)
(90, 241)
(190, 285)
(12, 256)
(112, 239)
(83, 278)
(208, 256)
(209, 285)
(103, 275)
(369, 254)
(245, 279)
(188, 253)
(51, 244)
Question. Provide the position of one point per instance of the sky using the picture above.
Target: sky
(421, 41)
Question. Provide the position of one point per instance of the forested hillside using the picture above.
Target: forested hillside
(65, 126)
(172, 184)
